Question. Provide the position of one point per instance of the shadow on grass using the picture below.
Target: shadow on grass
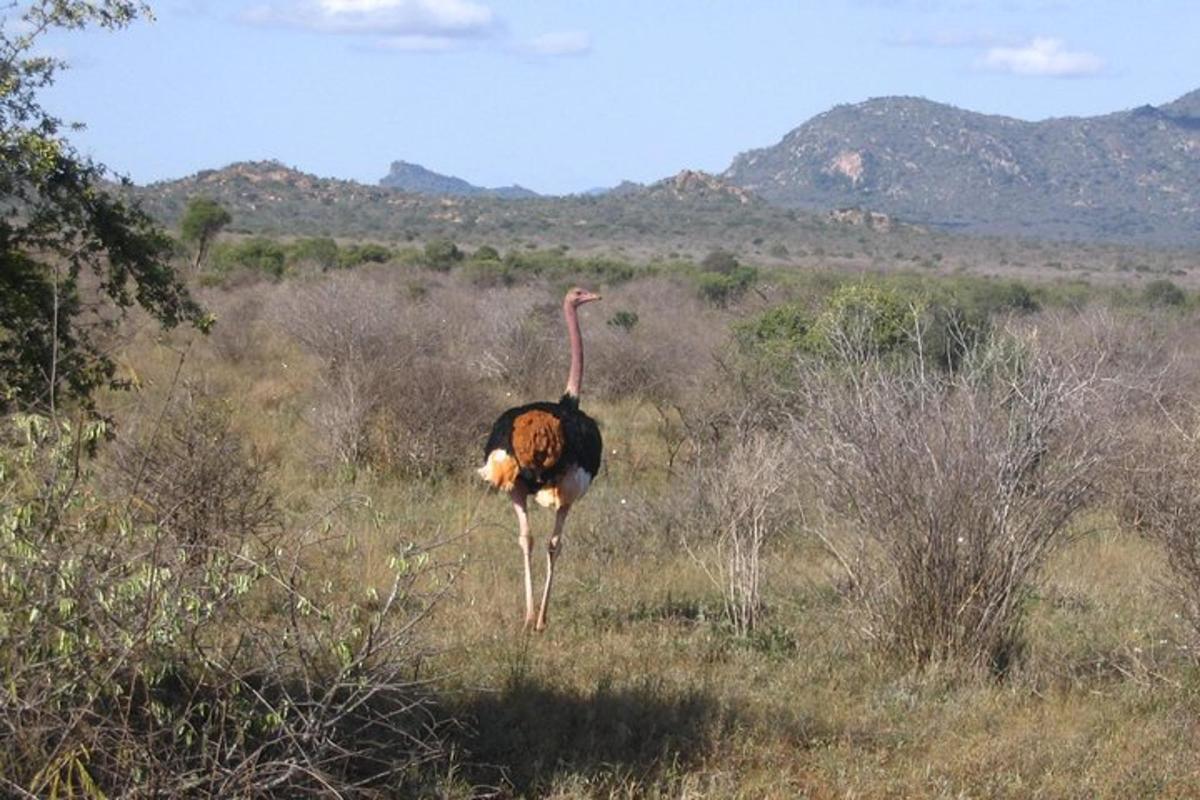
(526, 736)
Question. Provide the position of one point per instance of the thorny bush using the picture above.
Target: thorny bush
(137, 663)
(942, 494)
(394, 396)
(741, 491)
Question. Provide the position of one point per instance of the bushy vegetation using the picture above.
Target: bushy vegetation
(75, 257)
(954, 488)
(319, 250)
(849, 529)
(257, 254)
(869, 524)
(167, 632)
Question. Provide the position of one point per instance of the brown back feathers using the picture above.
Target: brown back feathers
(538, 440)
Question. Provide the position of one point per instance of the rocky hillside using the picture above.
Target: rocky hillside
(695, 185)
(689, 211)
(688, 215)
(1131, 176)
(415, 178)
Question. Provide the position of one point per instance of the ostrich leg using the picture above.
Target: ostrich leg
(519, 497)
(552, 550)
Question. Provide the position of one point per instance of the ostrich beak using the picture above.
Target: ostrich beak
(588, 297)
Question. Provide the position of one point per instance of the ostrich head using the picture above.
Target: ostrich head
(577, 297)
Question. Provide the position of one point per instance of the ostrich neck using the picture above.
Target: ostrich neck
(575, 376)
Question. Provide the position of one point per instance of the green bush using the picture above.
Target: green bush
(258, 254)
(555, 265)
(358, 254)
(319, 250)
(624, 320)
(720, 261)
(777, 334)
(442, 254)
(1162, 293)
(721, 288)
(864, 321)
(1004, 296)
(486, 253)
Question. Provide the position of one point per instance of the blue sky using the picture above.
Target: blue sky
(566, 95)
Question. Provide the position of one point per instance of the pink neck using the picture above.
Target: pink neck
(575, 377)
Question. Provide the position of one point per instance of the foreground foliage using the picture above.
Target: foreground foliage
(72, 255)
(183, 647)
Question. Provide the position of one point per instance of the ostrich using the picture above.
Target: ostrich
(549, 450)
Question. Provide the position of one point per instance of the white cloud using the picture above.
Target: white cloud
(559, 43)
(426, 26)
(417, 22)
(1043, 56)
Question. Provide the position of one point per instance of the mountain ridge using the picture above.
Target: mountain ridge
(1128, 176)
(1124, 175)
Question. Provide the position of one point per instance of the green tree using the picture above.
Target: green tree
(258, 253)
(720, 261)
(67, 246)
(202, 221)
(441, 254)
(320, 250)
(723, 288)
(863, 319)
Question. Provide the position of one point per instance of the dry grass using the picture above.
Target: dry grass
(641, 687)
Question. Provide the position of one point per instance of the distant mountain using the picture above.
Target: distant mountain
(1130, 176)
(415, 178)
(688, 215)
(689, 210)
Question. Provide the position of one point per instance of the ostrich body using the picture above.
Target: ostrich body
(548, 450)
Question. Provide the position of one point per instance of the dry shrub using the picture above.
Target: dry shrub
(499, 336)
(189, 473)
(521, 342)
(1155, 485)
(1168, 509)
(1164, 499)
(666, 355)
(392, 394)
(1152, 359)
(516, 338)
(132, 667)
(237, 332)
(739, 503)
(942, 495)
(434, 419)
